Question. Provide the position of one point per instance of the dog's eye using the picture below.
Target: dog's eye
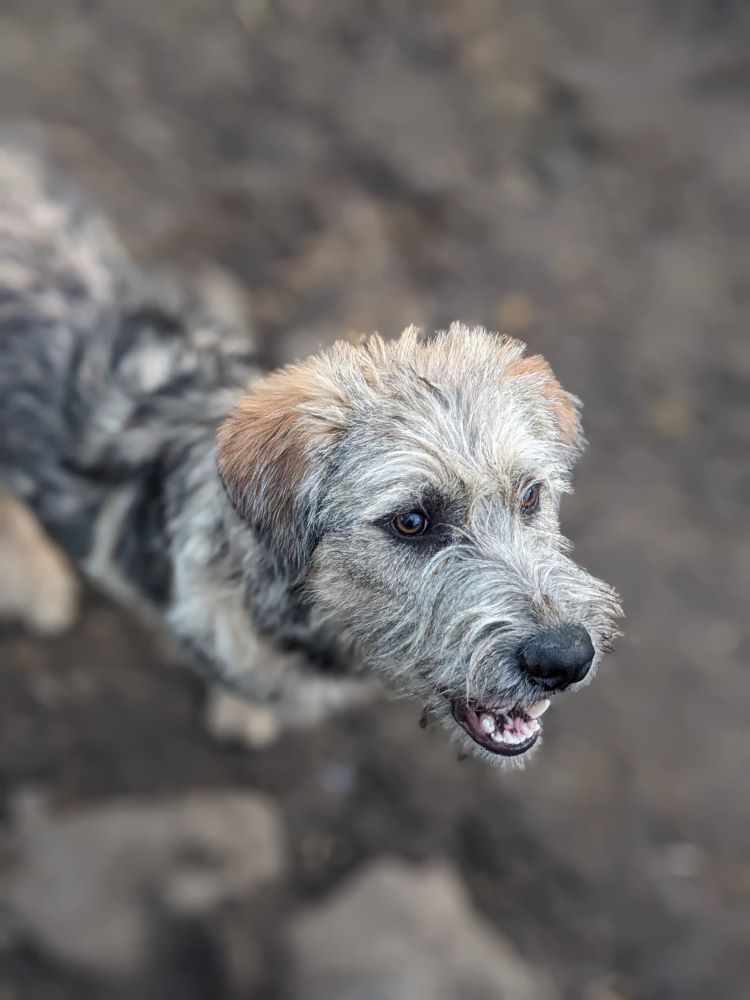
(530, 498)
(410, 524)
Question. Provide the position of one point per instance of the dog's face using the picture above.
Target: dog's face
(411, 490)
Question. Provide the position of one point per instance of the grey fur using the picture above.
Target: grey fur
(278, 572)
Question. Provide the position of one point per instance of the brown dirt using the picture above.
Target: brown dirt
(578, 174)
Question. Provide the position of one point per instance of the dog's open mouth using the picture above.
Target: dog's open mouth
(501, 727)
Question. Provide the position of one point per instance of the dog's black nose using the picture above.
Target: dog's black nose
(558, 657)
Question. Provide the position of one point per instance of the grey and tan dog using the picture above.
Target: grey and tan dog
(387, 511)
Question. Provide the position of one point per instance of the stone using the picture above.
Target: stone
(84, 884)
(398, 932)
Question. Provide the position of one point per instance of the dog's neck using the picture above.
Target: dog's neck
(227, 590)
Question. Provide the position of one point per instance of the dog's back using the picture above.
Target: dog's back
(97, 364)
(58, 267)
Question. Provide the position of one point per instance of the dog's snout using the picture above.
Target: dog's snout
(558, 657)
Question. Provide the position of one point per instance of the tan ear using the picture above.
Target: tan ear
(565, 406)
(272, 454)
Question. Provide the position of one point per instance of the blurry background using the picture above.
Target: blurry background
(573, 172)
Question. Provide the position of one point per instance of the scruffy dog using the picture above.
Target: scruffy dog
(384, 511)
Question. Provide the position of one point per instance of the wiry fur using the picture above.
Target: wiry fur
(251, 515)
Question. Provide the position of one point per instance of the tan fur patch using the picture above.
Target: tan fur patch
(565, 410)
(270, 436)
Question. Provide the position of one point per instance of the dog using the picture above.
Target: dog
(382, 513)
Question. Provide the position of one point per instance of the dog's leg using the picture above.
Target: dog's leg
(235, 717)
(38, 586)
(231, 718)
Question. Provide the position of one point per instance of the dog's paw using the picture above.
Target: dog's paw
(230, 719)
(38, 587)
(54, 606)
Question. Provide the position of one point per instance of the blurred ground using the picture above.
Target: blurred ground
(572, 172)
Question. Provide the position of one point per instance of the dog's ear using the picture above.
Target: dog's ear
(273, 453)
(565, 408)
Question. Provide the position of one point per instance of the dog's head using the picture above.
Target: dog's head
(410, 490)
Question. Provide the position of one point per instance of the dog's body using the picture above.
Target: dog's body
(384, 511)
(110, 399)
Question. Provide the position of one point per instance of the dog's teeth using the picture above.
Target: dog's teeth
(498, 737)
(538, 708)
(487, 723)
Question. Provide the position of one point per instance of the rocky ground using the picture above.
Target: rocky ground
(573, 172)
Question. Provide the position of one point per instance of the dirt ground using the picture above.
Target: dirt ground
(573, 172)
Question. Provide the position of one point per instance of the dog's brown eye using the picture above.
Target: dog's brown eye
(530, 498)
(411, 524)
